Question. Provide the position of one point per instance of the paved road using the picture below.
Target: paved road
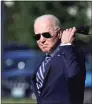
(88, 96)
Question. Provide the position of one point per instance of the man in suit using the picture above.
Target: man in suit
(60, 76)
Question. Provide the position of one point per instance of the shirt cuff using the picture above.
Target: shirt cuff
(65, 44)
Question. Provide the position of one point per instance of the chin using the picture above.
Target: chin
(45, 50)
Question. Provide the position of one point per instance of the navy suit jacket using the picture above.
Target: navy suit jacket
(64, 78)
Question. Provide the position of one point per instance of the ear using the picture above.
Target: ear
(60, 34)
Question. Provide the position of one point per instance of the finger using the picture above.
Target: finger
(73, 32)
(72, 35)
(73, 29)
(73, 38)
(70, 29)
(66, 30)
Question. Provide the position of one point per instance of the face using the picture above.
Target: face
(47, 45)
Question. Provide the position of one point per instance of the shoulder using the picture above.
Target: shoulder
(72, 49)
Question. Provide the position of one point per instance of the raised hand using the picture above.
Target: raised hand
(68, 35)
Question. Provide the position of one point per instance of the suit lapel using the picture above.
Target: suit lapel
(40, 62)
(47, 69)
(34, 77)
(49, 64)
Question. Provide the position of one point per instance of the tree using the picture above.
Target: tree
(20, 17)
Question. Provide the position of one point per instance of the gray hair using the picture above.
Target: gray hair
(57, 21)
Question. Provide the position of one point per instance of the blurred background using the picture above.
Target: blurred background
(19, 49)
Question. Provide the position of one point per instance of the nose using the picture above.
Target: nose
(42, 39)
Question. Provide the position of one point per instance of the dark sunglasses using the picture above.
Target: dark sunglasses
(46, 35)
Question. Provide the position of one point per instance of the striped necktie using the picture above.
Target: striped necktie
(40, 73)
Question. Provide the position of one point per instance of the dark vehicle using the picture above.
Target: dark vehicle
(88, 81)
(19, 63)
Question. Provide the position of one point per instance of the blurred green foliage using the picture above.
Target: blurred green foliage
(18, 101)
(20, 18)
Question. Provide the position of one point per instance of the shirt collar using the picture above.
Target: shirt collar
(53, 53)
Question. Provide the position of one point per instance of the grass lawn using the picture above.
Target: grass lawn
(17, 101)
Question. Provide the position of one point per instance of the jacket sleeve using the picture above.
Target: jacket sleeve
(74, 60)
